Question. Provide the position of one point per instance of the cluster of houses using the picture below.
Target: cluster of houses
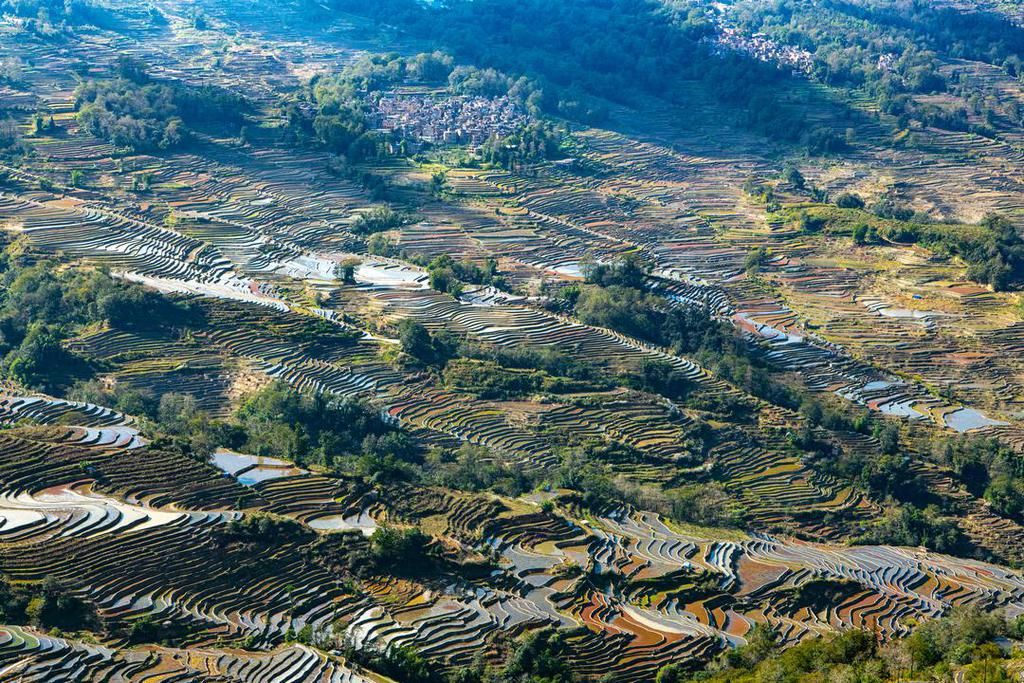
(761, 47)
(447, 119)
(887, 61)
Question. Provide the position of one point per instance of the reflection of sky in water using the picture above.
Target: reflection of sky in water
(966, 419)
(899, 408)
(906, 313)
(571, 269)
(251, 469)
(232, 462)
(362, 521)
(385, 274)
(258, 474)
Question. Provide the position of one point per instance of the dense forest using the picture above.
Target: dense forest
(892, 49)
(577, 53)
(133, 111)
(41, 305)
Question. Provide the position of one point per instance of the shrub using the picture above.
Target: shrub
(849, 200)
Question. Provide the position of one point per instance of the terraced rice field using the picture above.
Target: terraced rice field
(253, 234)
(685, 595)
